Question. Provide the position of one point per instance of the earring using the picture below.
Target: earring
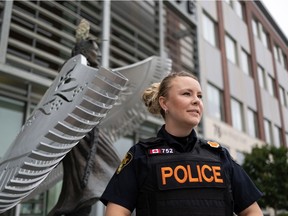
(166, 111)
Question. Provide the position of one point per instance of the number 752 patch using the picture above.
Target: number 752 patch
(161, 151)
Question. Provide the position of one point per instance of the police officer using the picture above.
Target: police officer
(177, 173)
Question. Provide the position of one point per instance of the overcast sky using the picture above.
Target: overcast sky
(279, 11)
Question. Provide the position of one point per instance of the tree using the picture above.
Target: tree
(268, 168)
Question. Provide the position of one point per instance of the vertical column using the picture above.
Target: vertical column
(6, 20)
(260, 117)
(277, 93)
(226, 92)
(161, 30)
(106, 25)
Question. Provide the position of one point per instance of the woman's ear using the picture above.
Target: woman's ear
(162, 102)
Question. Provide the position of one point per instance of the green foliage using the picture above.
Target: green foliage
(268, 168)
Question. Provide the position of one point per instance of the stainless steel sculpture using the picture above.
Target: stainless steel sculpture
(82, 97)
(79, 98)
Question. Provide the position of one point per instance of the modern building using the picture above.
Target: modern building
(235, 48)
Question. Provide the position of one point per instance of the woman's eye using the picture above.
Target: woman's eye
(200, 96)
(187, 93)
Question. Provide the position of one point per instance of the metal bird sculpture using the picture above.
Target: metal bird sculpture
(84, 111)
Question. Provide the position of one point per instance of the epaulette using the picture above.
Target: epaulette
(211, 144)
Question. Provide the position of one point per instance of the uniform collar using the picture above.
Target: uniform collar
(181, 144)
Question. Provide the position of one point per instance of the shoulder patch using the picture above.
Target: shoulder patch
(126, 160)
(213, 144)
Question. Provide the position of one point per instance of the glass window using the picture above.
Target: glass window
(280, 56)
(260, 32)
(230, 49)
(271, 85)
(284, 60)
(251, 123)
(237, 115)
(34, 206)
(238, 9)
(282, 96)
(245, 62)
(236, 6)
(255, 27)
(275, 50)
(268, 132)
(209, 30)
(265, 38)
(277, 136)
(12, 114)
(179, 41)
(261, 76)
(215, 107)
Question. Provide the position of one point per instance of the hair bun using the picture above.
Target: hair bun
(150, 98)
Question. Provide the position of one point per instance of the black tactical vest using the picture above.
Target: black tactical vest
(184, 184)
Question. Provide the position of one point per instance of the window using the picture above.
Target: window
(237, 115)
(245, 62)
(276, 54)
(283, 99)
(230, 49)
(271, 85)
(131, 39)
(255, 27)
(236, 6)
(215, 101)
(285, 61)
(261, 76)
(280, 56)
(266, 81)
(277, 136)
(265, 38)
(12, 113)
(268, 131)
(209, 30)
(179, 41)
(252, 123)
(260, 32)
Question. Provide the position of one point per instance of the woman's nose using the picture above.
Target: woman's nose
(196, 100)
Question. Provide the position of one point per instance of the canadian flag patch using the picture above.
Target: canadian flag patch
(154, 151)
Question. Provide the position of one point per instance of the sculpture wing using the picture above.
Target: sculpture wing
(129, 112)
(126, 115)
(78, 99)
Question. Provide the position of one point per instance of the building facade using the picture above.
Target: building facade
(234, 47)
(243, 61)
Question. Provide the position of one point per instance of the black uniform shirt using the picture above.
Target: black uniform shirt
(124, 185)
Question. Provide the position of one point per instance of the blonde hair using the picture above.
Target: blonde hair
(151, 95)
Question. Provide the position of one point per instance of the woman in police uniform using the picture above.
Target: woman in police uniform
(177, 173)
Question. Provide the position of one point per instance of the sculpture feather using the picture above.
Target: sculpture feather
(82, 30)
